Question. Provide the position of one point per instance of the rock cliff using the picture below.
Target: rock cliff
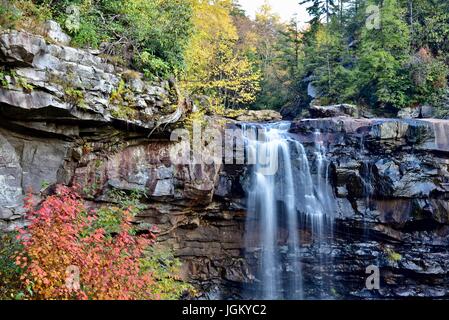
(390, 183)
(69, 116)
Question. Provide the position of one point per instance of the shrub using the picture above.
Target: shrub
(429, 77)
(64, 237)
(8, 16)
(123, 100)
(153, 66)
(24, 14)
(165, 269)
(10, 273)
(74, 97)
(87, 35)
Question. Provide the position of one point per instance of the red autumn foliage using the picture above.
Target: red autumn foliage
(61, 240)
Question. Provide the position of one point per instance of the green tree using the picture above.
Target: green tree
(382, 76)
(319, 8)
(150, 35)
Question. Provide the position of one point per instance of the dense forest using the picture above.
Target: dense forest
(383, 54)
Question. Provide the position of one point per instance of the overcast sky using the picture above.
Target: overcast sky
(285, 8)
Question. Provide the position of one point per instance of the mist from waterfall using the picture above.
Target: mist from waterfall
(284, 198)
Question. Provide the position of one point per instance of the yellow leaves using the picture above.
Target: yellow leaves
(215, 65)
(212, 24)
(266, 15)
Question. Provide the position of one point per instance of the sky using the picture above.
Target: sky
(285, 8)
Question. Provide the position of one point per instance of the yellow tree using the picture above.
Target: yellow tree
(215, 65)
(263, 41)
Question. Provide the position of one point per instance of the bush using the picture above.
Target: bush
(153, 66)
(65, 241)
(10, 273)
(149, 34)
(24, 14)
(429, 77)
(165, 269)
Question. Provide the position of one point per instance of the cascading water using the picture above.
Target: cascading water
(284, 197)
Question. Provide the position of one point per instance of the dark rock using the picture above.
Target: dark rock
(426, 111)
(333, 111)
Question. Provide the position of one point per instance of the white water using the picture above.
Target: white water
(281, 190)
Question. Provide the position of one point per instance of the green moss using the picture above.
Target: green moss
(15, 79)
(123, 100)
(74, 97)
(3, 80)
(22, 82)
(393, 256)
(124, 112)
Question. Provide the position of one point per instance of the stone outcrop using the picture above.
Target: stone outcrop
(68, 116)
(56, 104)
(333, 111)
(424, 111)
(259, 116)
(69, 84)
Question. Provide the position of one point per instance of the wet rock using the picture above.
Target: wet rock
(331, 125)
(390, 129)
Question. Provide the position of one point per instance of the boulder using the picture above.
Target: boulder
(424, 111)
(414, 131)
(259, 116)
(427, 111)
(20, 48)
(409, 113)
(54, 32)
(333, 111)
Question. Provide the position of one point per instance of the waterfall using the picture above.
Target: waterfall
(285, 197)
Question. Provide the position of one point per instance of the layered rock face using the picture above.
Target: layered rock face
(68, 116)
(390, 181)
(56, 103)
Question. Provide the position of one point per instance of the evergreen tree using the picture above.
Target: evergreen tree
(382, 76)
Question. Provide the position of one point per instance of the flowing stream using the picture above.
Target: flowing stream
(289, 197)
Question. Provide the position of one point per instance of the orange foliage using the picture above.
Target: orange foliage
(61, 239)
